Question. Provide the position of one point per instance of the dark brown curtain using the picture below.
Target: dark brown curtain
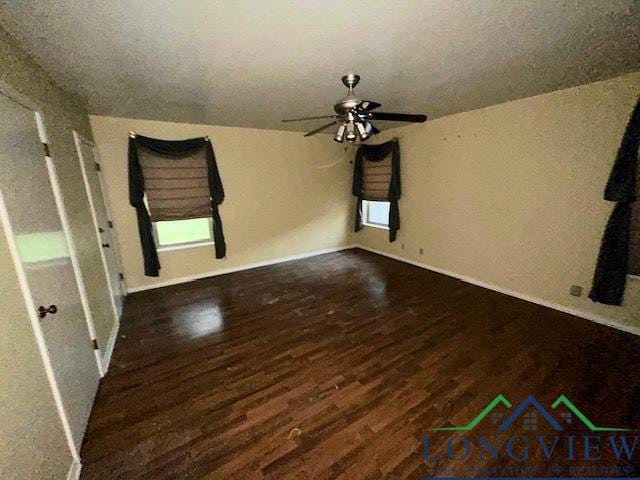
(619, 253)
(634, 237)
(376, 177)
(181, 181)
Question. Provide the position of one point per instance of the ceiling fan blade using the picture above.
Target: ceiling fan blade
(374, 130)
(318, 130)
(399, 117)
(308, 118)
(368, 105)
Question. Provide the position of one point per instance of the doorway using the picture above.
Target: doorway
(102, 220)
(42, 249)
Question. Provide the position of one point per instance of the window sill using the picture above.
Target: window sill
(183, 246)
(375, 225)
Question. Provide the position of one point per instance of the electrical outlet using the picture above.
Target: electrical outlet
(576, 290)
(421, 251)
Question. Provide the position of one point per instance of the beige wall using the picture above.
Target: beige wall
(285, 195)
(32, 443)
(511, 195)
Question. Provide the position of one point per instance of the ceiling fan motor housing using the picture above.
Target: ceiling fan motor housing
(350, 80)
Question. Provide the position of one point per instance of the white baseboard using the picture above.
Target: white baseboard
(74, 470)
(106, 358)
(555, 306)
(248, 266)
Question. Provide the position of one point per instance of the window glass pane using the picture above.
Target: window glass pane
(183, 231)
(378, 212)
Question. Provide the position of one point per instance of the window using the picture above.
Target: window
(375, 214)
(174, 233)
(530, 421)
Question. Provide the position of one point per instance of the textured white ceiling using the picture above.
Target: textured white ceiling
(251, 63)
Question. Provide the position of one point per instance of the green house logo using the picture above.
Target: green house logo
(531, 401)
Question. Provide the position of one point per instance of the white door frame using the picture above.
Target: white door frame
(78, 139)
(73, 252)
(11, 94)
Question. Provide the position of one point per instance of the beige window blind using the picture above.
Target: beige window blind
(176, 188)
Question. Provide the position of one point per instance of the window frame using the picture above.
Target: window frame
(183, 245)
(365, 216)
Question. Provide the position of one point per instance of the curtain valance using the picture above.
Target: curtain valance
(376, 177)
(620, 251)
(181, 181)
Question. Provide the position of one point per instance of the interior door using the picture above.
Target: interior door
(101, 219)
(31, 214)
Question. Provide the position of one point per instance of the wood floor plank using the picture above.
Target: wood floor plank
(333, 367)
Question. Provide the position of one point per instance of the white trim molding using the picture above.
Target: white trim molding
(74, 470)
(108, 351)
(239, 268)
(528, 298)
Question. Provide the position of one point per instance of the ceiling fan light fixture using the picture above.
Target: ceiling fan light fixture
(362, 131)
(369, 128)
(351, 135)
(339, 136)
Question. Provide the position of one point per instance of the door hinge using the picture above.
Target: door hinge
(95, 344)
(110, 223)
(45, 147)
(121, 275)
(98, 167)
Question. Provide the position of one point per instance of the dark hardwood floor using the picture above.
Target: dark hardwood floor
(362, 354)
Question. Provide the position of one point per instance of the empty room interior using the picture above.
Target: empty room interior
(333, 240)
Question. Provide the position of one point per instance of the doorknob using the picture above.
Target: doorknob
(43, 311)
(105, 245)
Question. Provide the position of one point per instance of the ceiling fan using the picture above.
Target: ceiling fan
(353, 116)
